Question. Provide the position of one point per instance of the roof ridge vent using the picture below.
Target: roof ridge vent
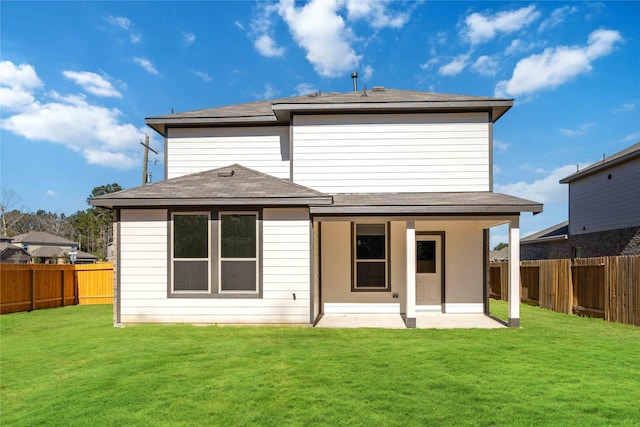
(226, 174)
(378, 89)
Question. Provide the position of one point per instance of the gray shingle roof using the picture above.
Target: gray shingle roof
(478, 203)
(555, 232)
(41, 237)
(381, 100)
(617, 158)
(230, 185)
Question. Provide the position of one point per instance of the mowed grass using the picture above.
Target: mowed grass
(70, 366)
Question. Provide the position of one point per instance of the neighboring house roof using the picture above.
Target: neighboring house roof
(41, 237)
(625, 155)
(500, 255)
(48, 252)
(13, 254)
(555, 232)
(278, 111)
(428, 203)
(230, 185)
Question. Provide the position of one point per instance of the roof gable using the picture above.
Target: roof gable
(230, 185)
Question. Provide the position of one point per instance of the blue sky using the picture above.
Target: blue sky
(77, 80)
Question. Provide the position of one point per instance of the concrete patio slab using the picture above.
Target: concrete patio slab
(386, 321)
(457, 321)
(423, 321)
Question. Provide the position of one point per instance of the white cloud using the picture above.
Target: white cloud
(92, 130)
(499, 145)
(204, 76)
(268, 93)
(557, 17)
(376, 13)
(556, 66)
(429, 63)
(266, 46)
(92, 83)
(482, 28)
(581, 130)
(239, 25)
(146, 64)
(634, 137)
(305, 89)
(323, 29)
(367, 73)
(629, 106)
(318, 29)
(51, 193)
(126, 25)
(119, 21)
(17, 83)
(545, 190)
(188, 38)
(454, 67)
(485, 65)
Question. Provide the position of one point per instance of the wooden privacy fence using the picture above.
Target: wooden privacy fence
(607, 287)
(26, 287)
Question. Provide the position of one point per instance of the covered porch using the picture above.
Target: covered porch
(419, 263)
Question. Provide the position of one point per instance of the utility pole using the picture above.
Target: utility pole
(146, 158)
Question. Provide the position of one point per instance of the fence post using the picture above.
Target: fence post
(33, 289)
(62, 286)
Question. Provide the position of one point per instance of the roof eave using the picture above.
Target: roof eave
(428, 210)
(161, 124)
(111, 203)
(602, 165)
(497, 107)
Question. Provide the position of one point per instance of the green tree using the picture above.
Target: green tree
(94, 227)
(500, 246)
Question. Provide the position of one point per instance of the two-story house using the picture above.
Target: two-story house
(280, 211)
(604, 212)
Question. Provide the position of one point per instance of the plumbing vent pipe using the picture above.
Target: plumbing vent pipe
(354, 76)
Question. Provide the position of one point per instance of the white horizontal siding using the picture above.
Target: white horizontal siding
(265, 149)
(143, 258)
(144, 274)
(598, 203)
(389, 153)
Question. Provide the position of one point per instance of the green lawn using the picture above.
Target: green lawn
(69, 366)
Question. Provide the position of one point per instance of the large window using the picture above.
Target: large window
(191, 245)
(370, 257)
(238, 249)
(214, 254)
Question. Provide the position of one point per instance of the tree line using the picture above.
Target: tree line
(92, 228)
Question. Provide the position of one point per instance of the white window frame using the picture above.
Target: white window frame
(208, 259)
(256, 259)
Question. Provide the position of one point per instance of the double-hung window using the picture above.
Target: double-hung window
(238, 269)
(370, 257)
(214, 254)
(191, 253)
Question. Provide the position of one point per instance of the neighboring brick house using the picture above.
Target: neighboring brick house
(280, 211)
(604, 213)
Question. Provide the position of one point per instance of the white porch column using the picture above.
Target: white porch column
(514, 273)
(411, 275)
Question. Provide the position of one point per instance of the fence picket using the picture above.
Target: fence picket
(26, 287)
(607, 287)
